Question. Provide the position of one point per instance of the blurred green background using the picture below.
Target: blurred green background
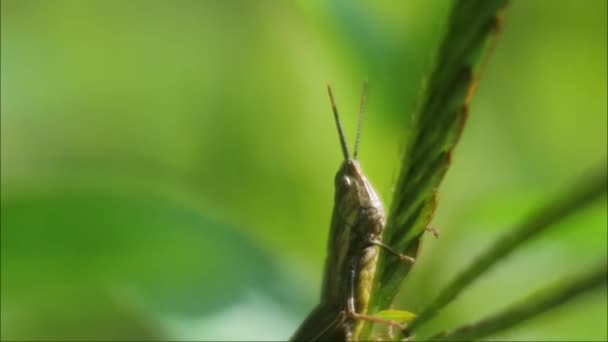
(167, 166)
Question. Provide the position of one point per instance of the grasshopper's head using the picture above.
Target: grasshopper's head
(353, 187)
(353, 190)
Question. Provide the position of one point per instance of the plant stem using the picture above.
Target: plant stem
(536, 304)
(568, 203)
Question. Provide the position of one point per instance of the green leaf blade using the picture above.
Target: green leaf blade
(437, 125)
(536, 304)
(399, 316)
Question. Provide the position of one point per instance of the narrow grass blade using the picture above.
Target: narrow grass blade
(535, 305)
(578, 197)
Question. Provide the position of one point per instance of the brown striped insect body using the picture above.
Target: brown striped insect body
(355, 237)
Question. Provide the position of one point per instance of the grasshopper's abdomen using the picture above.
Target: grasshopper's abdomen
(365, 277)
(371, 227)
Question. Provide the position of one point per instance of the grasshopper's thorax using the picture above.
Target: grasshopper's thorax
(355, 197)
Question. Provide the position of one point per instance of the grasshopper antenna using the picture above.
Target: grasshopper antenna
(338, 124)
(360, 122)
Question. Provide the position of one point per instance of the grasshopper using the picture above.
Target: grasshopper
(355, 238)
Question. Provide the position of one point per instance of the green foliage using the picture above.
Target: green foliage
(399, 316)
(536, 304)
(167, 167)
(589, 190)
(437, 124)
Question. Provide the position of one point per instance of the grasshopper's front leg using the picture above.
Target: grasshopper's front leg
(401, 256)
(387, 248)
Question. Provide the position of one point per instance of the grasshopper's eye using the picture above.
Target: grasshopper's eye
(346, 182)
(343, 181)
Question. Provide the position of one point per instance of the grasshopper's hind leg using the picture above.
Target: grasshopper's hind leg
(352, 312)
